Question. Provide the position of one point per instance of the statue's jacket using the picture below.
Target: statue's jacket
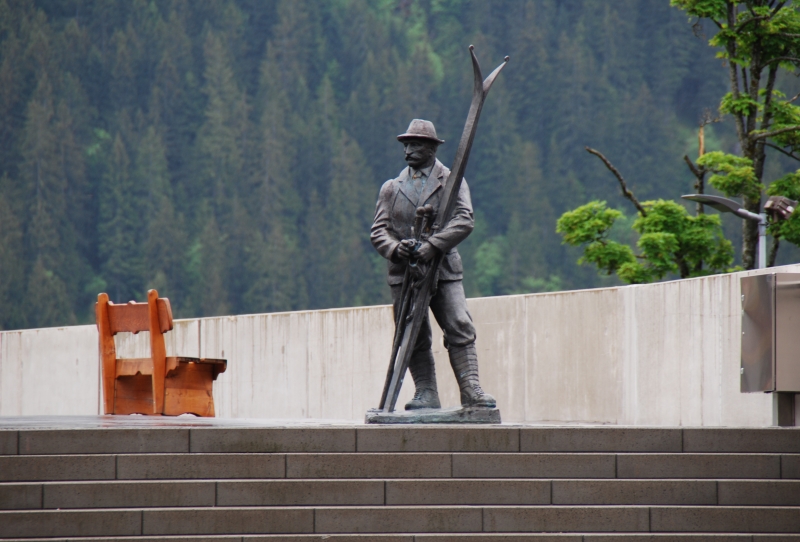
(394, 220)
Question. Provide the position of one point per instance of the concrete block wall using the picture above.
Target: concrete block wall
(663, 354)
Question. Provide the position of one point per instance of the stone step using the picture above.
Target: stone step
(480, 537)
(446, 537)
(311, 439)
(171, 480)
(399, 519)
(397, 465)
(136, 494)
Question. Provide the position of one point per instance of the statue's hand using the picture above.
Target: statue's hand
(403, 250)
(426, 252)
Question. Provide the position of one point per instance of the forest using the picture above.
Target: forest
(229, 152)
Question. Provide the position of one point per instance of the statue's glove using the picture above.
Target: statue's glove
(404, 249)
(426, 252)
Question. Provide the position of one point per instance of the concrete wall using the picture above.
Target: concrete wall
(658, 354)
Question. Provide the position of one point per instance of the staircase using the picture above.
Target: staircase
(391, 484)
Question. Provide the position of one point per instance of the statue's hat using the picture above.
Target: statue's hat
(420, 129)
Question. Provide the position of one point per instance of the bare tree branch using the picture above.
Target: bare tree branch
(707, 119)
(699, 186)
(625, 191)
(783, 59)
(767, 118)
(695, 171)
(787, 153)
(775, 132)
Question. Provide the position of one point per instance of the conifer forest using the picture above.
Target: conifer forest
(229, 153)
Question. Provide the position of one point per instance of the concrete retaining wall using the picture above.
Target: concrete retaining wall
(662, 354)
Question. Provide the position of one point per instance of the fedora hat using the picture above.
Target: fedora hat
(420, 129)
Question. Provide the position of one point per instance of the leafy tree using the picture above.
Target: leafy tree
(758, 39)
(670, 240)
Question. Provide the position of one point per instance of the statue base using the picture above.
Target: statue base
(434, 415)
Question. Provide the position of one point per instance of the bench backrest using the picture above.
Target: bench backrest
(154, 316)
(134, 317)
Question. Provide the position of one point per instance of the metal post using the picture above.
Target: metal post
(762, 241)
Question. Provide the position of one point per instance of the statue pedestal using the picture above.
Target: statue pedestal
(434, 415)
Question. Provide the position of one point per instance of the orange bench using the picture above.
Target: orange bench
(158, 384)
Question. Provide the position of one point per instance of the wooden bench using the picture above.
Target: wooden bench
(159, 384)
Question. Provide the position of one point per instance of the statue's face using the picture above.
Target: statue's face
(419, 153)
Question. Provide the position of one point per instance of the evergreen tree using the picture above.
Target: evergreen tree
(210, 292)
(119, 231)
(222, 136)
(229, 153)
(12, 268)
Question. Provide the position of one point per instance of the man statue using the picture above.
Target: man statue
(421, 183)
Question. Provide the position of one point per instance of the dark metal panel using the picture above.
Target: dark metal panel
(787, 332)
(758, 337)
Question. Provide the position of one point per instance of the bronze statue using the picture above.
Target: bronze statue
(392, 235)
(420, 218)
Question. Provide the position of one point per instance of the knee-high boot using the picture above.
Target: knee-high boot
(464, 360)
(423, 370)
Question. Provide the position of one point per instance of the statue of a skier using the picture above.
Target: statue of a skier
(419, 185)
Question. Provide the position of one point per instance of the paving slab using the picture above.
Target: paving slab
(533, 465)
(661, 537)
(698, 466)
(61, 523)
(476, 492)
(790, 466)
(330, 538)
(104, 441)
(300, 493)
(759, 492)
(759, 440)
(20, 496)
(273, 440)
(197, 538)
(57, 467)
(388, 519)
(641, 492)
(423, 465)
(227, 521)
(735, 519)
(494, 537)
(176, 466)
(566, 519)
(8, 442)
(184, 421)
(438, 439)
(128, 494)
(599, 439)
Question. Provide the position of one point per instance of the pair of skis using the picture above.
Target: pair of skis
(419, 285)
